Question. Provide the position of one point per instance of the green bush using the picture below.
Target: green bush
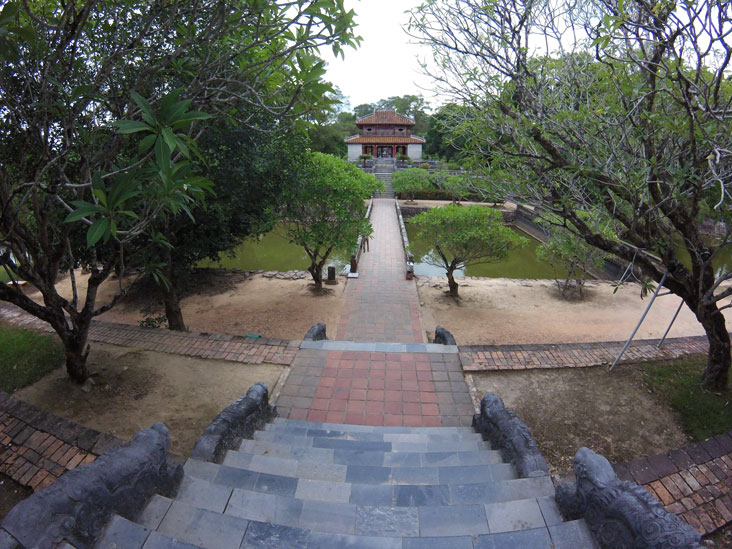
(402, 157)
(425, 165)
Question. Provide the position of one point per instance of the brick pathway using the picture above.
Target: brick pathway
(694, 482)
(376, 388)
(215, 346)
(486, 358)
(381, 305)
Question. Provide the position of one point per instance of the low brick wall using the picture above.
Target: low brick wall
(36, 447)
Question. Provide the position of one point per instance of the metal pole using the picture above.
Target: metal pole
(669, 326)
(653, 298)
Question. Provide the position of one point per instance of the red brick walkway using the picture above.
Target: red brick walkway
(371, 388)
(381, 305)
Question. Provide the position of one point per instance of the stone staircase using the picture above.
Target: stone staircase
(298, 484)
(383, 170)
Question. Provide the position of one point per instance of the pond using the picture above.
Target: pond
(520, 263)
(273, 252)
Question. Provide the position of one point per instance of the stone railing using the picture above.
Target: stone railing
(408, 257)
(76, 507)
(237, 421)
(507, 433)
(620, 513)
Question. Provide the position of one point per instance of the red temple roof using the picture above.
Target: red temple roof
(388, 116)
(384, 140)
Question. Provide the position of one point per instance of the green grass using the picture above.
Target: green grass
(702, 414)
(26, 356)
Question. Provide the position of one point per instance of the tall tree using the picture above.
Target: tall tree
(627, 124)
(78, 189)
(325, 212)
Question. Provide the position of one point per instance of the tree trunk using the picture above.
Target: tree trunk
(451, 283)
(76, 351)
(316, 271)
(716, 371)
(172, 310)
(172, 298)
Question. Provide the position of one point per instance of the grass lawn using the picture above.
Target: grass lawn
(702, 414)
(26, 356)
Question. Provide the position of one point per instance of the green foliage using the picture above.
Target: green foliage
(465, 235)
(26, 356)
(679, 382)
(424, 166)
(325, 211)
(408, 182)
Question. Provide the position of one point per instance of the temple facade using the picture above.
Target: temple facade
(385, 134)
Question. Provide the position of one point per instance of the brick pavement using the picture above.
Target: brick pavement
(381, 305)
(694, 482)
(486, 358)
(376, 388)
(215, 346)
(37, 447)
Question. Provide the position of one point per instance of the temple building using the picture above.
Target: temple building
(385, 134)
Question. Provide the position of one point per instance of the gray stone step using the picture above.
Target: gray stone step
(373, 446)
(188, 527)
(211, 489)
(295, 431)
(352, 474)
(368, 428)
(373, 458)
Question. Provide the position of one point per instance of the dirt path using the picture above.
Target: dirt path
(134, 388)
(614, 413)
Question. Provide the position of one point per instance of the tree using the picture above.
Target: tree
(100, 107)
(325, 212)
(410, 181)
(464, 236)
(250, 169)
(628, 125)
(329, 138)
(571, 259)
(444, 139)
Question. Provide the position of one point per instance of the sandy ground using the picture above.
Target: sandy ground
(614, 413)
(509, 311)
(488, 311)
(232, 303)
(135, 388)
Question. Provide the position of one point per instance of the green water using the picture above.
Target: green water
(520, 263)
(273, 252)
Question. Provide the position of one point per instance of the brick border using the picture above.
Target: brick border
(694, 482)
(215, 346)
(488, 358)
(36, 447)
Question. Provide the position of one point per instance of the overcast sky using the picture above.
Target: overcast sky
(385, 64)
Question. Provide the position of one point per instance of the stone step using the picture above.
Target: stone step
(368, 428)
(447, 436)
(183, 530)
(213, 493)
(283, 507)
(375, 458)
(373, 446)
(351, 474)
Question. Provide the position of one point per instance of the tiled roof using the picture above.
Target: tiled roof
(384, 140)
(385, 117)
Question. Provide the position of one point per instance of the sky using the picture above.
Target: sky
(385, 64)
